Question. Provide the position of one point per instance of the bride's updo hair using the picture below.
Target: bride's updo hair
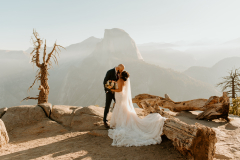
(125, 75)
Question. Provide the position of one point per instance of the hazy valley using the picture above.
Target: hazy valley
(154, 69)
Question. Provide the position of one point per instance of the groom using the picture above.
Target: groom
(112, 74)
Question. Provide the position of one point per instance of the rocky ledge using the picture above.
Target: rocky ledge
(35, 119)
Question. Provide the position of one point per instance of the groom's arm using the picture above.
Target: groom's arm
(107, 77)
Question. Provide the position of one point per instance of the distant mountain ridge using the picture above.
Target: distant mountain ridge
(84, 48)
(81, 49)
(233, 42)
(10, 59)
(166, 56)
(157, 45)
(214, 74)
(182, 55)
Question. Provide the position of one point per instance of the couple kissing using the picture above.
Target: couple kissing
(126, 128)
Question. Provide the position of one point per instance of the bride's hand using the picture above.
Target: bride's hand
(109, 87)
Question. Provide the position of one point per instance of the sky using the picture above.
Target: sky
(72, 21)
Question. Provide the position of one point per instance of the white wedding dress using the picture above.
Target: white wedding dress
(128, 128)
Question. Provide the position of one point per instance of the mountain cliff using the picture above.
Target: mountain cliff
(116, 44)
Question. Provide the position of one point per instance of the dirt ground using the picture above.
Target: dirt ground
(81, 145)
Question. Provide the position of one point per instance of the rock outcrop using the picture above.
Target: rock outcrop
(63, 114)
(24, 115)
(29, 120)
(43, 127)
(79, 118)
(33, 119)
(89, 118)
(71, 117)
(47, 108)
(3, 134)
(2, 111)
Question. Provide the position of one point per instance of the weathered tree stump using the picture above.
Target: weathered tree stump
(215, 107)
(42, 73)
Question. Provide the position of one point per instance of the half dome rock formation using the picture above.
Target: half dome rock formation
(118, 44)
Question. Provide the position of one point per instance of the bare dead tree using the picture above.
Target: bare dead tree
(232, 82)
(42, 72)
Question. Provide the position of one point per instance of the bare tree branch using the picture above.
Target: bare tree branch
(232, 81)
(27, 98)
(44, 52)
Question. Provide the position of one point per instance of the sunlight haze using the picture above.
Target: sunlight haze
(73, 21)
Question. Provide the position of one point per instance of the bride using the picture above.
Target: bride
(127, 128)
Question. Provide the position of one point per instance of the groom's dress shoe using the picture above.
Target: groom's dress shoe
(106, 125)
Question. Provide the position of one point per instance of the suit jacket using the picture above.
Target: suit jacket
(110, 75)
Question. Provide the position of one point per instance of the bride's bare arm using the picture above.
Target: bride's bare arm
(120, 86)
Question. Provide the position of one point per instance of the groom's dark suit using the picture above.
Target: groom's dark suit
(110, 75)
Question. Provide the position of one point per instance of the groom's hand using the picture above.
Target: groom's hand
(108, 90)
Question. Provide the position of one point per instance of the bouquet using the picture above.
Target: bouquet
(111, 84)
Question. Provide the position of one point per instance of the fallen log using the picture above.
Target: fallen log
(213, 108)
(193, 141)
